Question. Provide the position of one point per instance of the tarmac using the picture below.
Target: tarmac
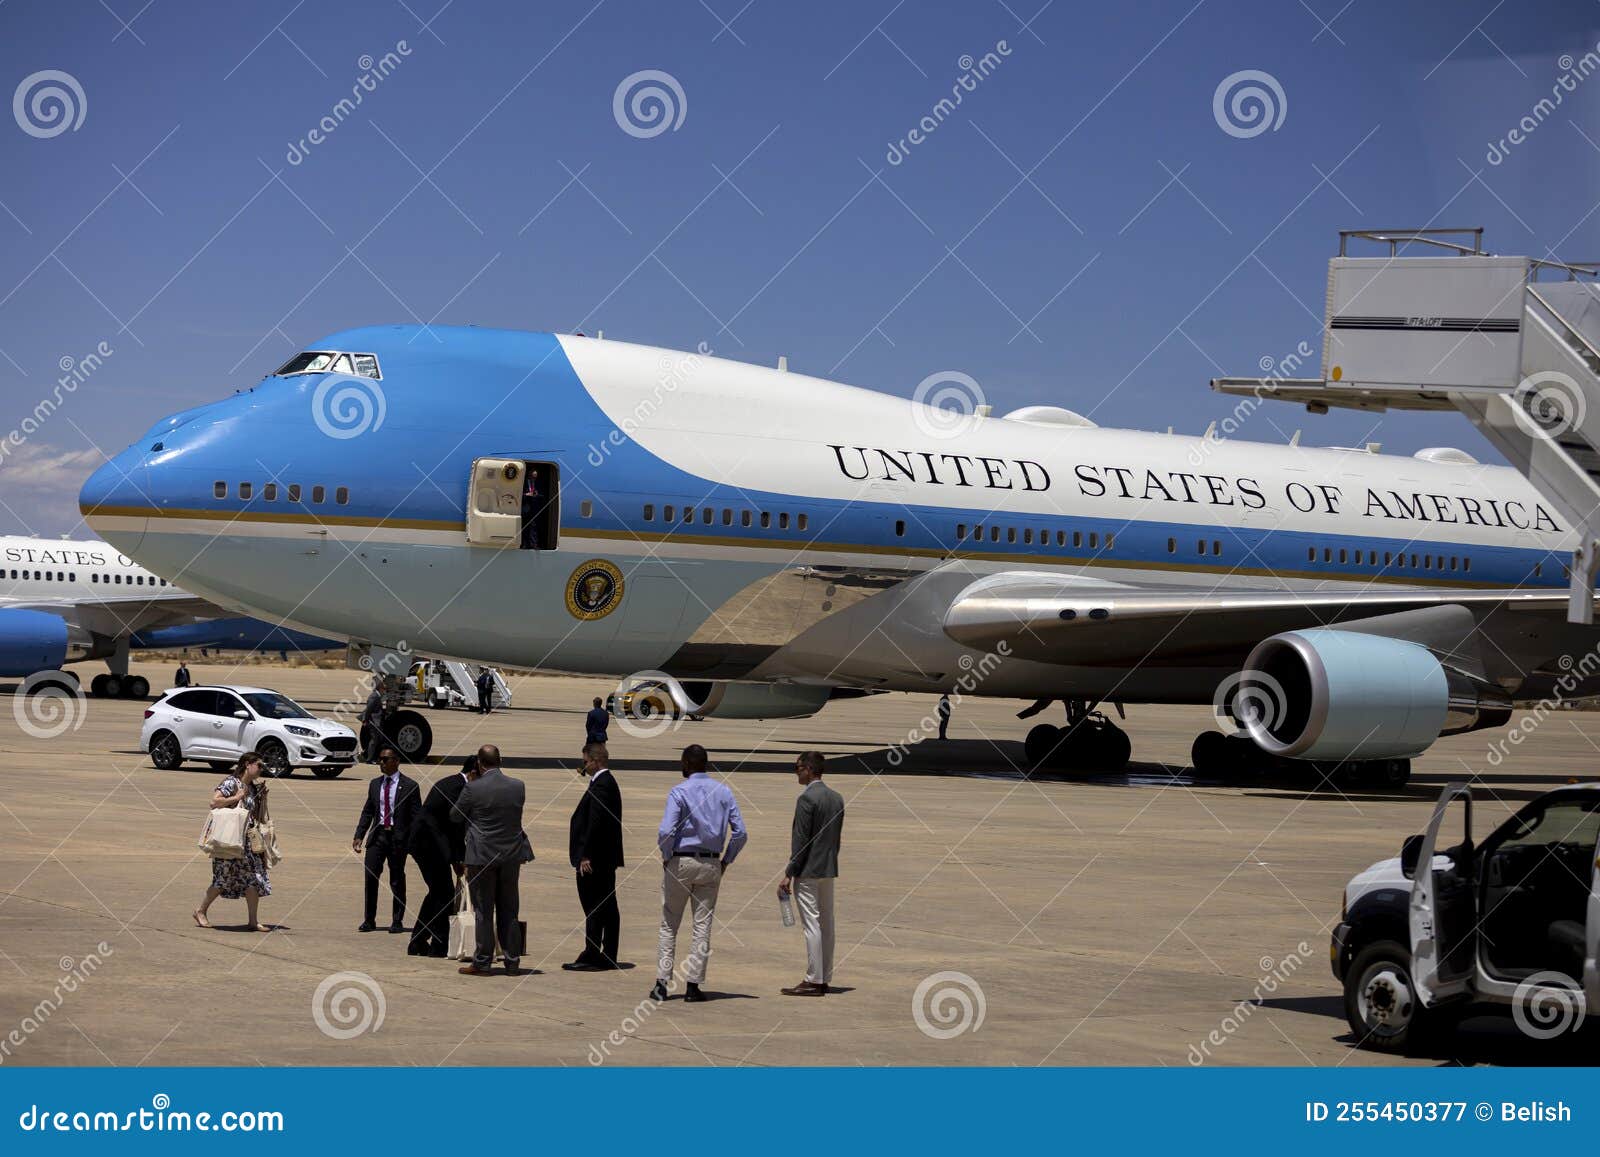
(986, 916)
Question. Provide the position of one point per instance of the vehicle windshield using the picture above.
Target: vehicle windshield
(271, 705)
(330, 361)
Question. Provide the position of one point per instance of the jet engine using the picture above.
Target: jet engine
(33, 641)
(1329, 694)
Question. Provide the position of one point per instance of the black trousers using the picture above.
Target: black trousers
(432, 931)
(383, 848)
(495, 905)
(602, 920)
(486, 701)
(944, 725)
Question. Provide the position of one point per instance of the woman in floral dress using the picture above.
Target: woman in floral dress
(244, 878)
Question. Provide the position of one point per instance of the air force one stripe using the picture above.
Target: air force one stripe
(1445, 324)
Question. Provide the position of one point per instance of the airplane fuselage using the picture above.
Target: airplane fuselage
(717, 520)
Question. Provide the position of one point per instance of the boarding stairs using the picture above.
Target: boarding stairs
(1437, 323)
(465, 678)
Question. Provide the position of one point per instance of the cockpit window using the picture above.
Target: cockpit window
(330, 362)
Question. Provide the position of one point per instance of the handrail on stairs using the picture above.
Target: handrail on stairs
(1571, 330)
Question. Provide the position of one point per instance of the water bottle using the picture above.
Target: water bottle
(786, 910)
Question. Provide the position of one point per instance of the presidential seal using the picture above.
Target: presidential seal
(594, 590)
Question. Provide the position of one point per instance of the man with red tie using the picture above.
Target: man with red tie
(389, 814)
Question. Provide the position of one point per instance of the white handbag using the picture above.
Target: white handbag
(463, 930)
(222, 837)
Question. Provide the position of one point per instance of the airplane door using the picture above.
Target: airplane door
(494, 502)
(1443, 914)
(512, 502)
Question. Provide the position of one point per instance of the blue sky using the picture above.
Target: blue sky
(1080, 231)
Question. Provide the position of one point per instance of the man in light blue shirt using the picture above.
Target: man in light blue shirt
(701, 833)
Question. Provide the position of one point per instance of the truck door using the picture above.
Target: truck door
(1443, 913)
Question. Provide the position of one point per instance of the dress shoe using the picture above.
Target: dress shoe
(659, 992)
(398, 928)
(580, 966)
(692, 994)
(367, 926)
(473, 970)
(806, 988)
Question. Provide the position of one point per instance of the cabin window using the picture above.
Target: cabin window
(1172, 545)
(667, 512)
(342, 496)
(1341, 554)
(245, 490)
(1061, 538)
(1077, 538)
(219, 489)
(994, 534)
(649, 512)
(744, 518)
(1200, 547)
(294, 492)
(1011, 534)
(1427, 562)
(1311, 554)
(1387, 558)
(803, 519)
(1466, 564)
(961, 531)
(900, 528)
(1452, 562)
(1027, 536)
(727, 516)
(1413, 562)
(1327, 554)
(707, 514)
(783, 520)
(1372, 558)
(586, 508)
(766, 520)
(1094, 540)
(317, 494)
(269, 492)
(1216, 546)
(1111, 541)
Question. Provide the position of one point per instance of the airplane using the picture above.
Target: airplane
(65, 601)
(771, 541)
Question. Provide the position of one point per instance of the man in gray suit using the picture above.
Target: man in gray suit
(497, 848)
(813, 867)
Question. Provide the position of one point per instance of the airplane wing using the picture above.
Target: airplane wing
(1041, 617)
(124, 615)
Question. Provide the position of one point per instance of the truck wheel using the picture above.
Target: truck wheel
(411, 736)
(1381, 1002)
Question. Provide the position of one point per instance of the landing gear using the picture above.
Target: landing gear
(113, 686)
(1218, 756)
(1089, 741)
(408, 731)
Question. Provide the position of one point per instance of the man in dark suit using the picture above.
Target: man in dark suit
(485, 691)
(594, 845)
(595, 723)
(496, 849)
(438, 845)
(813, 867)
(390, 814)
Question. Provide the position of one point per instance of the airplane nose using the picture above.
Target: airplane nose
(115, 500)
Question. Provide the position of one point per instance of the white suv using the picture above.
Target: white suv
(217, 725)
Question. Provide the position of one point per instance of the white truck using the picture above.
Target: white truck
(1449, 924)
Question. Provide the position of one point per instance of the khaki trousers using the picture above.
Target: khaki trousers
(693, 881)
(814, 898)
